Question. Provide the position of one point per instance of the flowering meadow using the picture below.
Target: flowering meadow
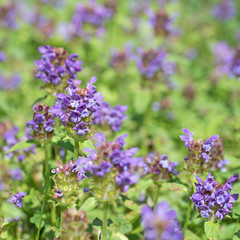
(119, 120)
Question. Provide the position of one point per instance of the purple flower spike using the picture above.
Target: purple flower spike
(188, 138)
(161, 224)
(17, 199)
(213, 200)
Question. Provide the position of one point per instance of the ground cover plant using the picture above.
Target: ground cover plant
(119, 119)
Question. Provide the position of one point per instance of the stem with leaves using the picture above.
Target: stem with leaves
(76, 149)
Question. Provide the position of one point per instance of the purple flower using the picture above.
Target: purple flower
(56, 66)
(188, 138)
(213, 200)
(152, 64)
(3, 57)
(8, 16)
(161, 223)
(42, 123)
(114, 117)
(90, 14)
(76, 108)
(10, 82)
(111, 161)
(17, 199)
(16, 174)
(224, 10)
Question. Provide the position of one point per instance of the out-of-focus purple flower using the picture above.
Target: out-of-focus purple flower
(152, 64)
(114, 117)
(161, 223)
(110, 161)
(2, 185)
(16, 174)
(213, 200)
(8, 16)
(89, 20)
(224, 10)
(42, 123)
(3, 57)
(9, 82)
(17, 199)
(56, 66)
(76, 109)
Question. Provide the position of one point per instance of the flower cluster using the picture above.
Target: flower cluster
(56, 66)
(3, 57)
(212, 199)
(42, 123)
(16, 174)
(9, 82)
(67, 177)
(224, 10)
(152, 64)
(17, 200)
(114, 117)
(89, 20)
(203, 155)
(75, 109)
(161, 224)
(162, 23)
(10, 139)
(110, 166)
(75, 224)
(159, 166)
(8, 16)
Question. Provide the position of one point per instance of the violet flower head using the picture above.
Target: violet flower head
(89, 20)
(42, 123)
(3, 57)
(76, 108)
(16, 174)
(114, 117)
(188, 138)
(152, 64)
(8, 16)
(159, 166)
(9, 82)
(56, 66)
(212, 199)
(224, 10)
(17, 199)
(161, 223)
(110, 161)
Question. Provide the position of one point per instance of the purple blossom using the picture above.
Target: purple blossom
(90, 14)
(56, 66)
(161, 223)
(224, 10)
(113, 117)
(16, 174)
(3, 57)
(9, 82)
(76, 108)
(42, 123)
(213, 200)
(152, 64)
(17, 199)
(8, 16)
(188, 138)
(111, 160)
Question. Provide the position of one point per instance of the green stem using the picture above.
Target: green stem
(76, 149)
(189, 210)
(104, 226)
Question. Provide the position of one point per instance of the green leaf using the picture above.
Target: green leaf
(57, 231)
(67, 145)
(118, 236)
(86, 144)
(22, 145)
(211, 229)
(89, 204)
(190, 236)
(132, 205)
(178, 187)
(36, 218)
(141, 101)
